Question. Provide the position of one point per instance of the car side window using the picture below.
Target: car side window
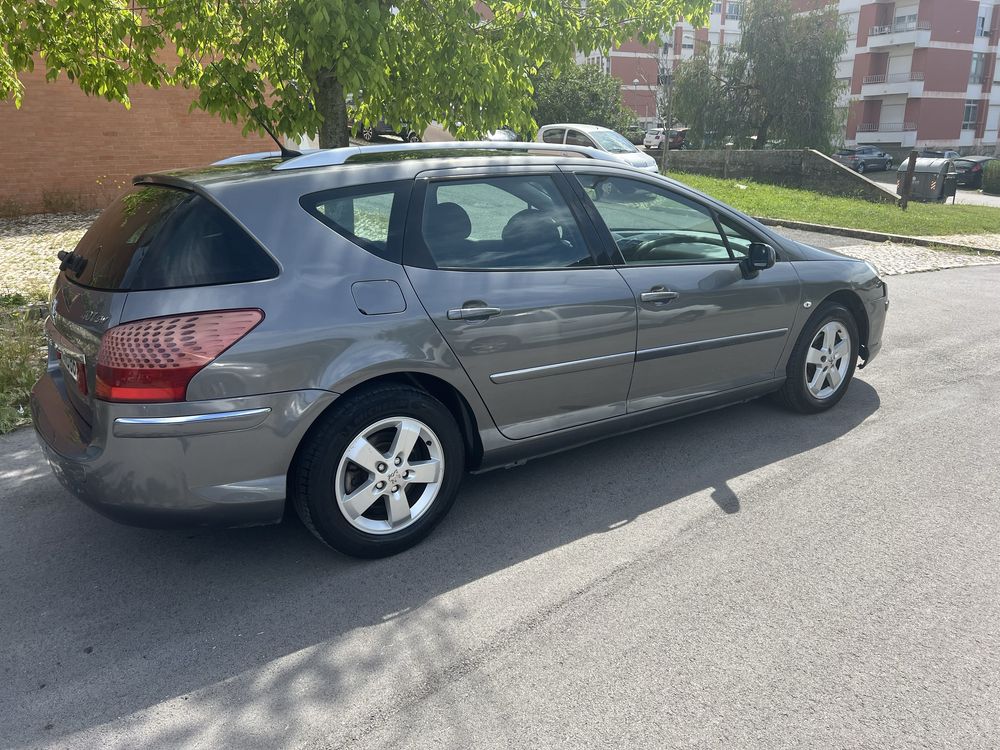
(739, 239)
(653, 226)
(555, 135)
(368, 215)
(501, 223)
(576, 138)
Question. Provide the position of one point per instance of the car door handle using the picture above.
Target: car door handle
(473, 313)
(658, 294)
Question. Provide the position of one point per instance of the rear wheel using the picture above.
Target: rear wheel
(379, 472)
(822, 362)
(368, 133)
(861, 167)
(413, 137)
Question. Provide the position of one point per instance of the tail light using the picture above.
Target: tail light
(977, 167)
(155, 359)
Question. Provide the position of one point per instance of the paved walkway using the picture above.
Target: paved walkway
(890, 258)
(962, 197)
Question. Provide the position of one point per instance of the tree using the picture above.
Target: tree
(779, 83)
(464, 63)
(582, 93)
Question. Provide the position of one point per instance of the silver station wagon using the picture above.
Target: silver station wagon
(349, 331)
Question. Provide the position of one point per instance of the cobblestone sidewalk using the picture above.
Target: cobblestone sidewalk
(891, 259)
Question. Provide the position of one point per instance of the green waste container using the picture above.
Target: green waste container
(934, 180)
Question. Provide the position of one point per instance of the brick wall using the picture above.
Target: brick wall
(65, 151)
(793, 168)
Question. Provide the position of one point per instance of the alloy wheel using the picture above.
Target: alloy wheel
(389, 476)
(828, 360)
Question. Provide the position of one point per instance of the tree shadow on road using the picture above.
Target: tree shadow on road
(121, 619)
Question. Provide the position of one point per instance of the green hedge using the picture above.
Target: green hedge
(991, 178)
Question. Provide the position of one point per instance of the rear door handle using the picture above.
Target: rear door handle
(473, 313)
(658, 294)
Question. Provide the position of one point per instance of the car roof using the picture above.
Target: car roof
(577, 125)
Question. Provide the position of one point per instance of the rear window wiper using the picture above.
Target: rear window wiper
(72, 262)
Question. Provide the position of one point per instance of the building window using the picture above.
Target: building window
(971, 117)
(978, 72)
(687, 45)
(981, 29)
(734, 10)
(716, 8)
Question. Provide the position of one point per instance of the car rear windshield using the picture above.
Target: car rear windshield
(156, 237)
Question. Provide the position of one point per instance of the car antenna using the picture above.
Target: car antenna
(286, 153)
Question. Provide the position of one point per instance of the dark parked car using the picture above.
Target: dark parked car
(864, 159)
(347, 332)
(932, 153)
(372, 131)
(970, 170)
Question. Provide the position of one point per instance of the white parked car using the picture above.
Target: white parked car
(653, 138)
(594, 136)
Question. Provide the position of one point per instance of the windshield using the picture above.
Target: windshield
(612, 142)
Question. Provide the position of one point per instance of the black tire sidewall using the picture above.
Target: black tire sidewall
(796, 392)
(315, 486)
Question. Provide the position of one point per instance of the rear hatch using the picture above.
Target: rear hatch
(153, 237)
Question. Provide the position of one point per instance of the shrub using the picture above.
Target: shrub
(991, 178)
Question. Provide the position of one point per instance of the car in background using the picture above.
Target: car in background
(371, 131)
(933, 153)
(864, 159)
(654, 138)
(970, 170)
(502, 134)
(594, 136)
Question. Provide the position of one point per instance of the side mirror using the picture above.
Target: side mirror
(760, 257)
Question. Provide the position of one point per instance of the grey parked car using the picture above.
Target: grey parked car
(864, 159)
(349, 331)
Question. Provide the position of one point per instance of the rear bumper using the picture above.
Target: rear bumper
(205, 463)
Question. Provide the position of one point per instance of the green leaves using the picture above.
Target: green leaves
(404, 61)
(582, 93)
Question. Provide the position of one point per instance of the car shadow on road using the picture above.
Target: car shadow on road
(124, 619)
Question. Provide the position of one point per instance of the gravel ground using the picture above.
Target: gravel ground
(28, 248)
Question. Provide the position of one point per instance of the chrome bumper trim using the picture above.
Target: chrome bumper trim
(193, 424)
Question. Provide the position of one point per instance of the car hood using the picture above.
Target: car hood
(808, 252)
(642, 161)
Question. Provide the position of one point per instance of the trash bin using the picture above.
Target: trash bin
(933, 179)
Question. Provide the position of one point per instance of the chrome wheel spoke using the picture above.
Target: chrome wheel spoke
(424, 472)
(817, 382)
(407, 435)
(814, 357)
(361, 499)
(398, 508)
(364, 454)
(829, 358)
(842, 349)
(833, 375)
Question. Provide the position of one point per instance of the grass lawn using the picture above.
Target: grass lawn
(773, 202)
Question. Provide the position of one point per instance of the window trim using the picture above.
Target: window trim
(418, 255)
(401, 190)
(609, 241)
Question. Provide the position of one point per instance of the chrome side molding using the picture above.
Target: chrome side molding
(192, 424)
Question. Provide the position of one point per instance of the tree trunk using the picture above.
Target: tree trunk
(333, 108)
(761, 140)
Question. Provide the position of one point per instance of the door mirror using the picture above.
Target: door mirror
(760, 257)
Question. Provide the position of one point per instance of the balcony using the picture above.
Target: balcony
(910, 83)
(917, 33)
(903, 133)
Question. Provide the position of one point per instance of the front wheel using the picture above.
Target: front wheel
(861, 168)
(379, 472)
(823, 361)
(412, 137)
(368, 133)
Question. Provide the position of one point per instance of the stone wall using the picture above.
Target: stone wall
(805, 168)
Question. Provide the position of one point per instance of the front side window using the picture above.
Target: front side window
(555, 135)
(652, 226)
(576, 138)
(501, 223)
(369, 215)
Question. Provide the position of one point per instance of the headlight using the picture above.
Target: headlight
(874, 271)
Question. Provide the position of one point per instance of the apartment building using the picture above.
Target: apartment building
(641, 67)
(922, 73)
(915, 73)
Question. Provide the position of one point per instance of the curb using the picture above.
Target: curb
(864, 234)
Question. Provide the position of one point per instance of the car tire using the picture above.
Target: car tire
(368, 133)
(412, 137)
(817, 375)
(350, 504)
(888, 165)
(861, 168)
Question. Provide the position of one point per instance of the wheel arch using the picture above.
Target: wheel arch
(853, 303)
(438, 388)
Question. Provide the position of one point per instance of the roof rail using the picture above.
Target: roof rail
(335, 156)
(257, 156)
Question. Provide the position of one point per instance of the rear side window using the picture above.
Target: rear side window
(555, 135)
(157, 237)
(368, 215)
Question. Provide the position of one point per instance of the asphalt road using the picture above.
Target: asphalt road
(746, 578)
